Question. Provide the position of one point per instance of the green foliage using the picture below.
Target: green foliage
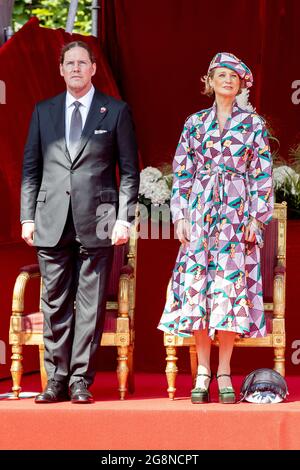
(286, 176)
(53, 14)
(292, 200)
(289, 189)
(295, 157)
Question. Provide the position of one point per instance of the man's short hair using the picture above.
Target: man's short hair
(72, 44)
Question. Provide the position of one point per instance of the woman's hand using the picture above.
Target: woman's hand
(249, 233)
(183, 231)
(250, 230)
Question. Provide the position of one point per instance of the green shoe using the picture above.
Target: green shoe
(201, 395)
(226, 394)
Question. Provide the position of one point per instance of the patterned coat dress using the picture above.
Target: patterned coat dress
(221, 180)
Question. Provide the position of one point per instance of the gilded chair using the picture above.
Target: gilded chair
(273, 264)
(27, 328)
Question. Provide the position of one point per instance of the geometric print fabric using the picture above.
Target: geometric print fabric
(221, 181)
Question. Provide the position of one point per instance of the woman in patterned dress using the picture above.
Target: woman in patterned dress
(221, 199)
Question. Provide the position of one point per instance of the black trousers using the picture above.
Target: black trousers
(73, 302)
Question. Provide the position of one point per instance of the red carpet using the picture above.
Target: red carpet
(148, 419)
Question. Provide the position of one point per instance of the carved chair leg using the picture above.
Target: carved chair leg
(279, 360)
(194, 363)
(42, 366)
(131, 385)
(16, 368)
(171, 370)
(122, 370)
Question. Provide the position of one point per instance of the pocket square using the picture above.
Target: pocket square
(100, 131)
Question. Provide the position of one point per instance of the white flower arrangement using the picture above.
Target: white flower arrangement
(243, 100)
(155, 187)
(286, 183)
(285, 178)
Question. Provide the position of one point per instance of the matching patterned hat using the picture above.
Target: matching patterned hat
(225, 59)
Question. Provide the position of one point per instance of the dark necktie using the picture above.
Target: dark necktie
(75, 129)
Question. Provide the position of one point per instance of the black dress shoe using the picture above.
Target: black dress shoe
(79, 393)
(54, 392)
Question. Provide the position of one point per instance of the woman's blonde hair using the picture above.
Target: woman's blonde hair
(208, 89)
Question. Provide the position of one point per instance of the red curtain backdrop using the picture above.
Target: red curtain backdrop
(158, 51)
(29, 67)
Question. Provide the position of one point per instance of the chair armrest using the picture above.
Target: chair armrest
(279, 269)
(279, 291)
(126, 275)
(127, 269)
(32, 269)
(28, 272)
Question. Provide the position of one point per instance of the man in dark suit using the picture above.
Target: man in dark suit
(72, 211)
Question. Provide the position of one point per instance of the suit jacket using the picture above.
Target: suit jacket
(52, 181)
